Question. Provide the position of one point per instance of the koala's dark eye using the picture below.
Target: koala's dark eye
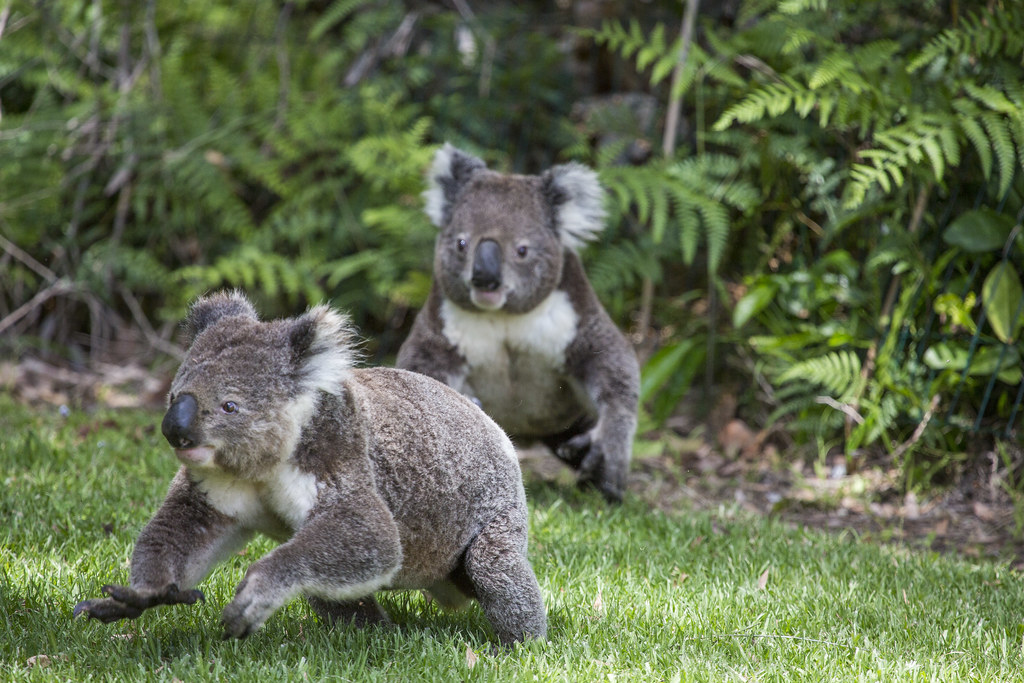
(461, 245)
(229, 407)
(521, 251)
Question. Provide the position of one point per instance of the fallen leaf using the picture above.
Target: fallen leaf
(599, 603)
(42, 661)
(471, 657)
(763, 581)
(984, 512)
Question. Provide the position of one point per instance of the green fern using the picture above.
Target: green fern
(984, 33)
(698, 193)
(838, 372)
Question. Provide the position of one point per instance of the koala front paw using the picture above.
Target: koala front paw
(587, 454)
(249, 610)
(128, 603)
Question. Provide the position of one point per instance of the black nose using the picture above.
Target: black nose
(178, 426)
(487, 266)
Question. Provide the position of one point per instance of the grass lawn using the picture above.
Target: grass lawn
(632, 594)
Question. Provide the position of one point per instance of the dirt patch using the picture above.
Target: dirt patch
(975, 518)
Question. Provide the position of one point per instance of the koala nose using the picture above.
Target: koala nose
(487, 266)
(178, 423)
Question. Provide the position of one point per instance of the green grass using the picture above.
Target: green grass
(632, 594)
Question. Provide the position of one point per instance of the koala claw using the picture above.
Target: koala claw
(238, 622)
(127, 603)
(250, 608)
(574, 451)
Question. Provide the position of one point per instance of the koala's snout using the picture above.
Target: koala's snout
(178, 426)
(487, 266)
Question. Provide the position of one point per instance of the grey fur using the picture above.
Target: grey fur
(529, 342)
(370, 478)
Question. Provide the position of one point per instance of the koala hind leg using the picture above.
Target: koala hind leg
(363, 612)
(503, 580)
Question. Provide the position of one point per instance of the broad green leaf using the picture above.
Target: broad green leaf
(979, 231)
(1001, 296)
(662, 366)
(753, 302)
(986, 360)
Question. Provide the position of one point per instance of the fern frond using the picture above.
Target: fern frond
(838, 372)
(983, 33)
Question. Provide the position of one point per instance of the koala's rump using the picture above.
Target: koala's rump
(443, 468)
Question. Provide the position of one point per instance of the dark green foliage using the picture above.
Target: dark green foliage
(853, 133)
(845, 188)
(157, 151)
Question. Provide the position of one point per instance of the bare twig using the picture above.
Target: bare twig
(142, 321)
(668, 143)
(487, 63)
(16, 251)
(845, 408)
(5, 14)
(59, 287)
(668, 147)
(919, 430)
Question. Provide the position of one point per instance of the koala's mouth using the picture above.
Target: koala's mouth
(488, 300)
(200, 455)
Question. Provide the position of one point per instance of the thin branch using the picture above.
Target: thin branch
(142, 321)
(16, 251)
(487, 63)
(59, 287)
(668, 143)
(668, 148)
(919, 430)
(844, 408)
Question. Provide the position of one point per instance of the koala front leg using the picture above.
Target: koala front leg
(611, 377)
(174, 552)
(340, 555)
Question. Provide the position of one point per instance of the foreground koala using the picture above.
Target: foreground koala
(511, 320)
(370, 478)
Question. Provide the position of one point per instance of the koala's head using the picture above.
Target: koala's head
(502, 237)
(245, 388)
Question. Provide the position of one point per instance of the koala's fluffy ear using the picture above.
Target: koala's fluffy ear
(577, 200)
(450, 170)
(206, 310)
(323, 348)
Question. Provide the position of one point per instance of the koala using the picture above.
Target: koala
(511, 320)
(371, 479)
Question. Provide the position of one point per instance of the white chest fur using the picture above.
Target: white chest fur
(515, 364)
(276, 506)
(486, 337)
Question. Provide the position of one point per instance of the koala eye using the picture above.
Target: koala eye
(461, 245)
(522, 250)
(229, 407)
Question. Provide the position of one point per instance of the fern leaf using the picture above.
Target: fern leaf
(999, 135)
(838, 372)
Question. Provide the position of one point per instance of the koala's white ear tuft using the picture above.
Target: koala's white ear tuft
(206, 310)
(323, 347)
(449, 171)
(576, 197)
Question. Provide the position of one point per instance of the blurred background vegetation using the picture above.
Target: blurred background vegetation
(815, 205)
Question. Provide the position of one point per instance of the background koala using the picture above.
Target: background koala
(512, 321)
(370, 478)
